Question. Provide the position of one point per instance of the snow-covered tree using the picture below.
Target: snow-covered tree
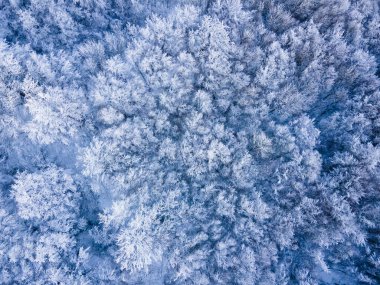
(189, 142)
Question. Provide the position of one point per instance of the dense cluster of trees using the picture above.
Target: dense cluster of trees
(190, 142)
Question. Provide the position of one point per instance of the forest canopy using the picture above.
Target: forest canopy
(189, 142)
